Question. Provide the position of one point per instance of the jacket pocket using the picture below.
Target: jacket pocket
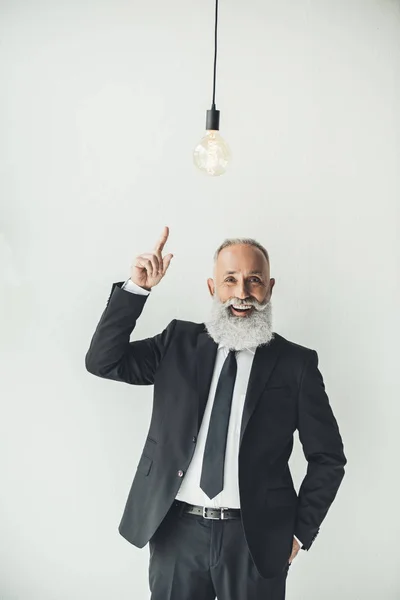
(144, 465)
(146, 460)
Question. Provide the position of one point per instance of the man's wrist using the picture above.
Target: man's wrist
(146, 289)
(298, 541)
(134, 288)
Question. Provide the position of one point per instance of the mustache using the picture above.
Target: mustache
(250, 302)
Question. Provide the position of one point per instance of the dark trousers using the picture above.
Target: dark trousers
(192, 558)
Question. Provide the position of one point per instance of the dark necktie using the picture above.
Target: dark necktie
(212, 474)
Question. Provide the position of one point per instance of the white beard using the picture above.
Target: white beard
(238, 333)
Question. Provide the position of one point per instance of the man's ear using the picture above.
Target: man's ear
(211, 287)
(271, 284)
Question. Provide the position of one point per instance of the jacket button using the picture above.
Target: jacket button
(194, 439)
(180, 473)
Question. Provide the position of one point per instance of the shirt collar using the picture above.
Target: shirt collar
(252, 349)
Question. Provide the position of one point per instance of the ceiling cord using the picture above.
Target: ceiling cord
(215, 52)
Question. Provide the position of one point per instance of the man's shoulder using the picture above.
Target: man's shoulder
(293, 347)
(188, 328)
(189, 325)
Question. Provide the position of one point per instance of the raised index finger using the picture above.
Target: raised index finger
(162, 241)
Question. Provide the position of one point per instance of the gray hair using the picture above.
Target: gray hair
(241, 241)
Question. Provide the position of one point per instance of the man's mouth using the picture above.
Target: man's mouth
(241, 310)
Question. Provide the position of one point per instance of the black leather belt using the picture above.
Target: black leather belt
(216, 514)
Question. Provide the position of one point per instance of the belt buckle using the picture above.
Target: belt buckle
(223, 513)
(222, 517)
(205, 509)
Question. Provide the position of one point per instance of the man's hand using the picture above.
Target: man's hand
(295, 549)
(148, 269)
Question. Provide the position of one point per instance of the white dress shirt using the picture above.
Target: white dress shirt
(190, 490)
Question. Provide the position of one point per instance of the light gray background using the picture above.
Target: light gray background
(101, 105)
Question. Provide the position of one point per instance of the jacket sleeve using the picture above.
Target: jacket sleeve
(323, 450)
(111, 353)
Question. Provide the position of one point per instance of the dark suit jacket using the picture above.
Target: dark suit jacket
(285, 392)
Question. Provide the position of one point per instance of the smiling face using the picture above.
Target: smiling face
(241, 276)
(241, 312)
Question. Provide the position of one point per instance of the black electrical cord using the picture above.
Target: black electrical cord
(212, 119)
(215, 52)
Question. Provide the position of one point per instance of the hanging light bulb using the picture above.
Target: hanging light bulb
(212, 154)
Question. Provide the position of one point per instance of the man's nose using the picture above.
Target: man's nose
(241, 291)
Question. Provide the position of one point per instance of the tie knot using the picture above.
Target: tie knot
(230, 362)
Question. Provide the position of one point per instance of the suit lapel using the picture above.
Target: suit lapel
(264, 363)
(206, 353)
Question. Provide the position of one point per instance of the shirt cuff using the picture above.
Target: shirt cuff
(298, 541)
(133, 288)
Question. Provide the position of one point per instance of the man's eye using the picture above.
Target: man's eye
(253, 279)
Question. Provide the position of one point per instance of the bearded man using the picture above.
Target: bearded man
(213, 494)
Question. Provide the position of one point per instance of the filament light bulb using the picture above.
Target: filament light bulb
(212, 154)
